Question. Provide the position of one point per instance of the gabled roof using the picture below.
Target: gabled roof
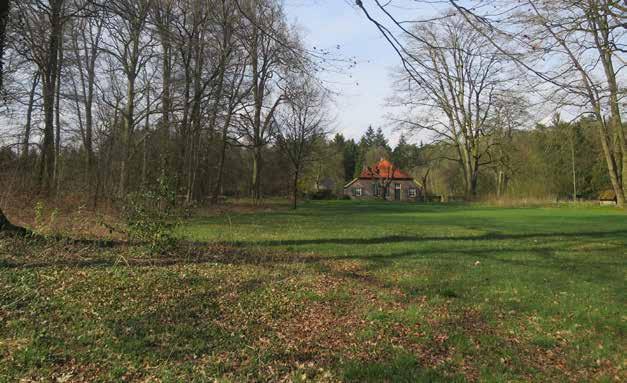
(350, 183)
(384, 169)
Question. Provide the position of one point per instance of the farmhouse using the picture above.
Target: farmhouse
(383, 181)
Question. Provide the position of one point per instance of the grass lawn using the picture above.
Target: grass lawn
(334, 291)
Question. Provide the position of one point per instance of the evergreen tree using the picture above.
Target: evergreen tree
(351, 153)
(405, 155)
(380, 140)
(368, 139)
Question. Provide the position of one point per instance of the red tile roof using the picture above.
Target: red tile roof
(384, 169)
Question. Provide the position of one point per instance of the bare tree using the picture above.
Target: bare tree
(448, 83)
(232, 88)
(85, 40)
(163, 14)
(265, 53)
(29, 117)
(510, 112)
(42, 24)
(130, 44)
(562, 43)
(300, 123)
(578, 35)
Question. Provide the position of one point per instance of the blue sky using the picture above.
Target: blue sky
(362, 89)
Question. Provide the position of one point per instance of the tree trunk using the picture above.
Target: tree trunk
(166, 100)
(89, 128)
(573, 164)
(295, 189)
(4, 18)
(50, 72)
(7, 226)
(29, 118)
(218, 186)
(598, 21)
(127, 135)
(256, 180)
(57, 116)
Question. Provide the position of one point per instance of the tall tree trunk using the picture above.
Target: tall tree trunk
(4, 20)
(57, 116)
(129, 114)
(573, 164)
(295, 189)
(166, 100)
(29, 118)
(89, 126)
(50, 72)
(127, 134)
(195, 133)
(598, 20)
(256, 181)
(218, 185)
(610, 161)
(145, 143)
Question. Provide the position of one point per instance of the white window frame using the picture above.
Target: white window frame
(412, 193)
(358, 192)
(397, 186)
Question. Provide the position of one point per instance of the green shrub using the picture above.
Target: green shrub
(325, 194)
(151, 216)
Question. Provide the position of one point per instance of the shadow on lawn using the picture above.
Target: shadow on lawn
(237, 253)
(490, 236)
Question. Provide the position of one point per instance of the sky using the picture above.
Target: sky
(362, 90)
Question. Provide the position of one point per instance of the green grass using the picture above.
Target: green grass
(333, 291)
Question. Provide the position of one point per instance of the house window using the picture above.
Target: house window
(358, 192)
(397, 186)
(375, 189)
(412, 193)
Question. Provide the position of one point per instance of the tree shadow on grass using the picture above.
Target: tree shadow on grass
(490, 236)
(241, 252)
(543, 258)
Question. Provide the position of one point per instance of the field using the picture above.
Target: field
(334, 291)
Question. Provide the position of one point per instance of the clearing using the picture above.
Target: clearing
(334, 291)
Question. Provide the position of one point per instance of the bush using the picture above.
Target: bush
(325, 194)
(151, 216)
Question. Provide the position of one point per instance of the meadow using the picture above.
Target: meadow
(332, 291)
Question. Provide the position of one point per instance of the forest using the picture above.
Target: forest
(222, 99)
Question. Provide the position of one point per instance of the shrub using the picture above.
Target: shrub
(325, 194)
(151, 216)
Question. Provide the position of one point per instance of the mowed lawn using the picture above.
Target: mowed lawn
(334, 291)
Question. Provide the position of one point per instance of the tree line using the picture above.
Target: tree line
(551, 161)
(222, 98)
(104, 97)
(471, 73)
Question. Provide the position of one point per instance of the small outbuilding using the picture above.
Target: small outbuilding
(607, 197)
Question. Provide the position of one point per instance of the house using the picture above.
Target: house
(383, 181)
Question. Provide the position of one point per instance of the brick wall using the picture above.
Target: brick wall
(367, 190)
